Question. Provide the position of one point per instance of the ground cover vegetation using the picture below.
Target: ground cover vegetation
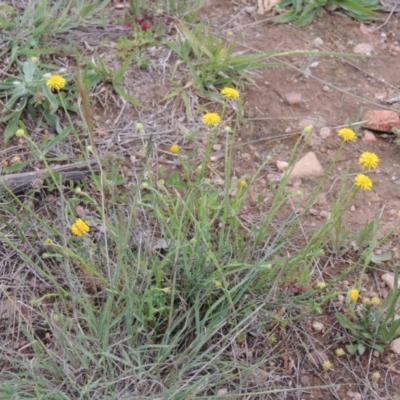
(153, 284)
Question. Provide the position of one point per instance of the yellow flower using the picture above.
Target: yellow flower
(369, 160)
(363, 181)
(320, 285)
(167, 290)
(211, 119)
(20, 133)
(307, 129)
(230, 93)
(366, 302)
(376, 376)
(347, 134)
(353, 294)
(218, 284)
(375, 301)
(174, 149)
(242, 183)
(340, 352)
(55, 82)
(34, 59)
(80, 227)
(327, 365)
(16, 160)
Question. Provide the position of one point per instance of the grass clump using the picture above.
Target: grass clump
(304, 12)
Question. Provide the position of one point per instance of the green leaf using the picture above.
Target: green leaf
(286, 18)
(361, 349)
(28, 69)
(54, 142)
(352, 348)
(380, 258)
(12, 127)
(17, 167)
(307, 16)
(51, 98)
(120, 90)
(53, 121)
(120, 73)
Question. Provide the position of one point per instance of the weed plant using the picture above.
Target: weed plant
(151, 286)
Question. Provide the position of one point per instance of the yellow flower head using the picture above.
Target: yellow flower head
(353, 294)
(55, 82)
(307, 129)
(376, 376)
(340, 352)
(230, 93)
(20, 133)
(369, 160)
(347, 134)
(375, 301)
(218, 284)
(366, 302)
(327, 365)
(80, 227)
(174, 149)
(16, 160)
(363, 181)
(320, 285)
(211, 119)
(242, 183)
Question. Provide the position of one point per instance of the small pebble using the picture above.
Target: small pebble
(325, 132)
(326, 88)
(317, 42)
(395, 346)
(282, 165)
(293, 98)
(318, 326)
(368, 136)
(217, 147)
(363, 48)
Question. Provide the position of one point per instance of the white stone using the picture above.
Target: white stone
(317, 42)
(293, 98)
(363, 48)
(318, 326)
(368, 136)
(388, 278)
(307, 167)
(395, 346)
(325, 132)
(282, 165)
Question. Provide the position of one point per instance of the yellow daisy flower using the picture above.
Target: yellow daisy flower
(340, 352)
(80, 227)
(242, 183)
(327, 365)
(375, 301)
(211, 119)
(347, 134)
(174, 149)
(369, 160)
(363, 181)
(230, 93)
(353, 294)
(56, 82)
